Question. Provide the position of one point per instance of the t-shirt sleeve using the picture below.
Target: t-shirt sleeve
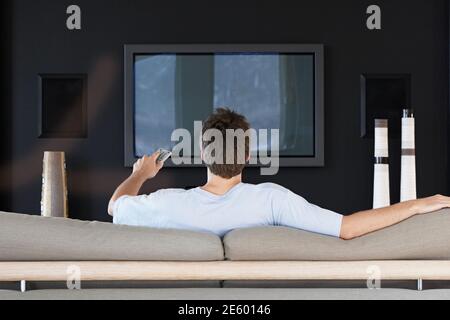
(136, 211)
(291, 210)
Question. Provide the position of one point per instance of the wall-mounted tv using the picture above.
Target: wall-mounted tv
(277, 86)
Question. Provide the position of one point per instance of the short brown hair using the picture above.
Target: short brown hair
(223, 119)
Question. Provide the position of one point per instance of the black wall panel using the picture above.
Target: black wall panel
(62, 106)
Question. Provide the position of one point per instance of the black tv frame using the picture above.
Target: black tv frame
(130, 50)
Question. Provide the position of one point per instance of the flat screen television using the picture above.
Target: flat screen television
(277, 86)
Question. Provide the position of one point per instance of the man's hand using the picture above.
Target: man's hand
(147, 167)
(144, 169)
(431, 204)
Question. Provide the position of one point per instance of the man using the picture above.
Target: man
(225, 202)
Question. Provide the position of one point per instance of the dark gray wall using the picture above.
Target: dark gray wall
(5, 109)
(414, 40)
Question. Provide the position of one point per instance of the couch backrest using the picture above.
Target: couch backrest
(35, 238)
(420, 237)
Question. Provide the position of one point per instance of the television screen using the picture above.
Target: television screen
(272, 89)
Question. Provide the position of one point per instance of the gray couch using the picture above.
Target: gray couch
(27, 239)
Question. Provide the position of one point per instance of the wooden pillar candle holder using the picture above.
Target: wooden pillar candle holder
(54, 185)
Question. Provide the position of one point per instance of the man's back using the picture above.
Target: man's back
(241, 205)
(244, 205)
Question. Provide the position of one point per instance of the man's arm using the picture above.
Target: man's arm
(364, 222)
(144, 169)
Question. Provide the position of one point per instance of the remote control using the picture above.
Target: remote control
(163, 155)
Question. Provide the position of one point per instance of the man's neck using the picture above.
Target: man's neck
(218, 185)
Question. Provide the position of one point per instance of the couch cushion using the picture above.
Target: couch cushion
(420, 237)
(34, 238)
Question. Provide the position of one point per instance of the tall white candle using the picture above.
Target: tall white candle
(408, 160)
(381, 191)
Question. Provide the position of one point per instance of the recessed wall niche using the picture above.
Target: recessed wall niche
(62, 106)
(384, 96)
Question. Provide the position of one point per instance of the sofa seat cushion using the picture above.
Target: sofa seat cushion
(420, 237)
(35, 238)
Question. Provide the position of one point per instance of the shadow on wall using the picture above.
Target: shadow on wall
(101, 77)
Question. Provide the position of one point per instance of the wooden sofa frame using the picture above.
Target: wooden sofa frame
(227, 270)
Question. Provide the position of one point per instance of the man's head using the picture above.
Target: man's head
(221, 120)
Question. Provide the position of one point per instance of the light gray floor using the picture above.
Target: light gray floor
(227, 294)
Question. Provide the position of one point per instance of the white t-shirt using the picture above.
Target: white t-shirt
(245, 205)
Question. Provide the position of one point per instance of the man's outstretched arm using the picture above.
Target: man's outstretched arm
(364, 222)
(144, 169)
